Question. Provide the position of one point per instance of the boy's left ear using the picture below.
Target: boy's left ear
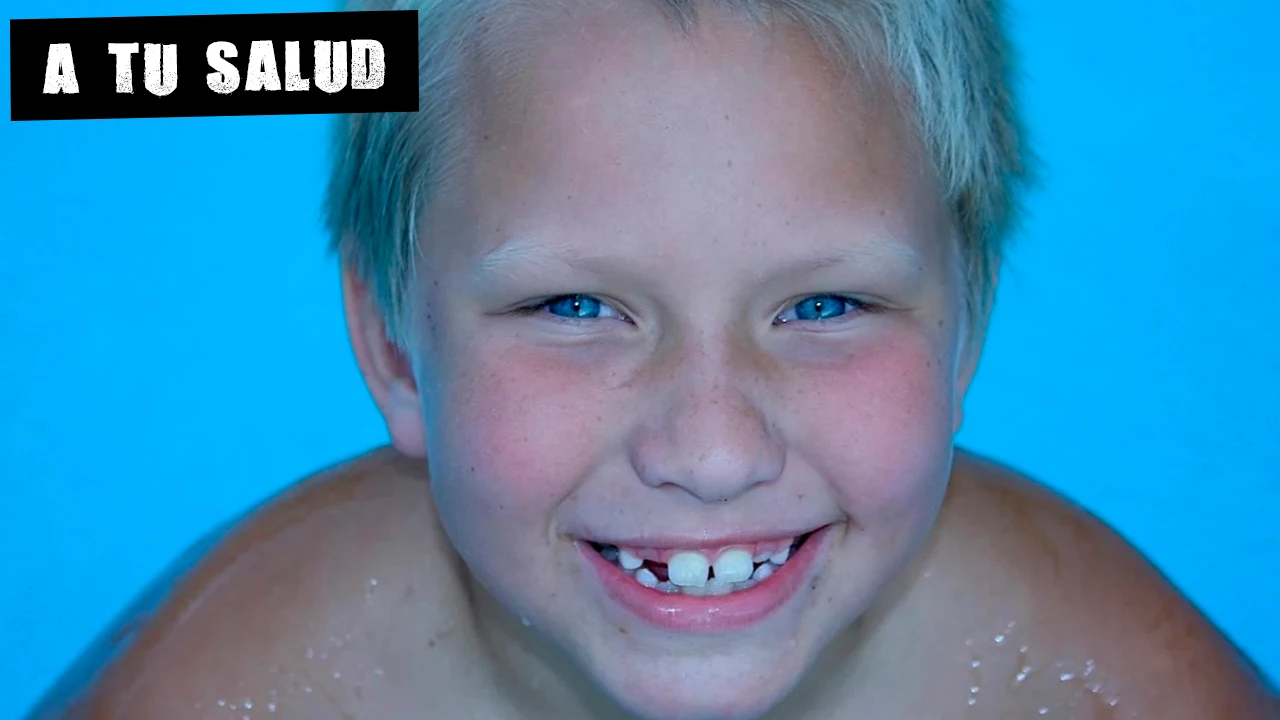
(387, 371)
(973, 337)
(968, 368)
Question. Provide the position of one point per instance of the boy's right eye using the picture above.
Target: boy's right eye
(574, 307)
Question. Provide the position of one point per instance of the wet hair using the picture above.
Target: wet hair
(950, 60)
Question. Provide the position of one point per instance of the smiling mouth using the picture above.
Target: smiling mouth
(699, 573)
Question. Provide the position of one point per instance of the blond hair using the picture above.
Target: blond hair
(951, 58)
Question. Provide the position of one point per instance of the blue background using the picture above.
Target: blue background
(172, 348)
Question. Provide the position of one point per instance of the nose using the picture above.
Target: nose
(709, 438)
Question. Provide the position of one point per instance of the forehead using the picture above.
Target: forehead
(608, 124)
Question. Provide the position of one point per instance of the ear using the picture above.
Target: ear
(973, 336)
(388, 373)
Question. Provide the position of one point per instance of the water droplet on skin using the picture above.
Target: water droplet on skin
(1066, 677)
(247, 704)
(271, 707)
(525, 621)
(1044, 711)
(973, 701)
(377, 671)
(310, 653)
(222, 703)
(976, 663)
(306, 688)
(337, 676)
(974, 689)
(999, 639)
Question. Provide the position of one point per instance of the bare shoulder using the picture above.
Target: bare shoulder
(301, 609)
(1097, 625)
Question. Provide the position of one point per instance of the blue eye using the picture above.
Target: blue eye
(576, 307)
(819, 308)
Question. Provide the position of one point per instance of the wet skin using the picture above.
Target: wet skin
(344, 584)
(753, 327)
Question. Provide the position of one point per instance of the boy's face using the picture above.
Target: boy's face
(761, 338)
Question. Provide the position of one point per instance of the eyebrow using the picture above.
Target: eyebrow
(522, 252)
(527, 251)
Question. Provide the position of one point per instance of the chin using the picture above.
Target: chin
(740, 697)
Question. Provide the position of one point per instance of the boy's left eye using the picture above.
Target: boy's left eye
(820, 308)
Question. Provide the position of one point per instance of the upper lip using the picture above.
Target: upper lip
(698, 542)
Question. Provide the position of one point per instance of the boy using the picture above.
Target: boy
(671, 309)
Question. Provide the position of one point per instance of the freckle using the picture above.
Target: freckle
(729, 163)
(409, 591)
(431, 642)
(622, 630)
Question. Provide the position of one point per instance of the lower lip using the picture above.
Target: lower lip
(708, 614)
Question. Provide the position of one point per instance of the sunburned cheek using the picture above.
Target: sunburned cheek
(884, 419)
(523, 429)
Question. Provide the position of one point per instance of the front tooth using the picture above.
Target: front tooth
(733, 565)
(763, 572)
(629, 561)
(688, 569)
(719, 587)
(645, 577)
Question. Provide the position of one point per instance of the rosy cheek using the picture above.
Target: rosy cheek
(882, 426)
(520, 426)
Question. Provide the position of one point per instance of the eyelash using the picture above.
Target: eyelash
(855, 307)
(541, 305)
